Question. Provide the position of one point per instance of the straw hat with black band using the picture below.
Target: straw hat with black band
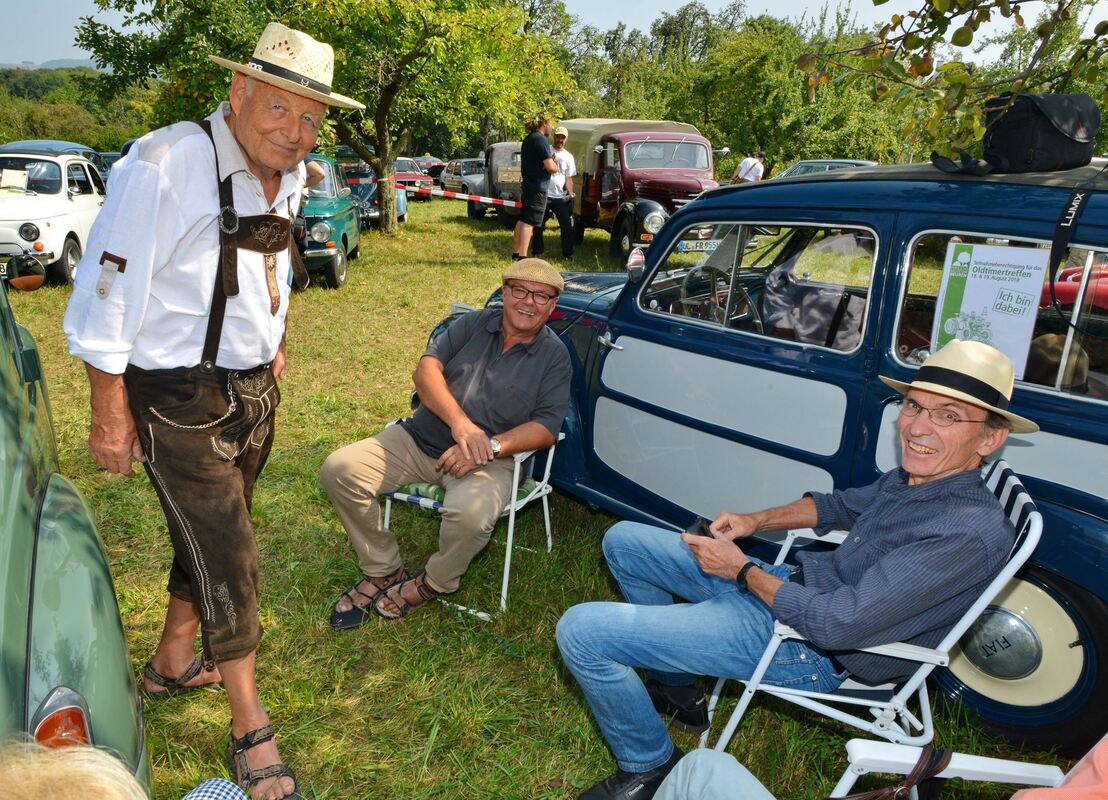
(293, 60)
(972, 372)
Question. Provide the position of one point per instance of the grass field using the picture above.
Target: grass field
(439, 705)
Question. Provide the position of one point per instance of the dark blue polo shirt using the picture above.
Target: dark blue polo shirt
(535, 149)
(497, 390)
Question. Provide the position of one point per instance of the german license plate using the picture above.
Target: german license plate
(697, 245)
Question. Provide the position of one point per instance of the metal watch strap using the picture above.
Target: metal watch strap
(740, 579)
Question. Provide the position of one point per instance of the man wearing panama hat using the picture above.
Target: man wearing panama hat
(924, 541)
(178, 310)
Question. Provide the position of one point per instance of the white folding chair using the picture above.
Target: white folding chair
(533, 488)
(889, 704)
(867, 756)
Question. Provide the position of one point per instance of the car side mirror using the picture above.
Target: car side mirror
(22, 273)
(344, 191)
(721, 150)
(636, 265)
(598, 149)
(72, 192)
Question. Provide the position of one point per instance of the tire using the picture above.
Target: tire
(402, 217)
(578, 230)
(1053, 705)
(623, 238)
(474, 210)
(334, 274)
(65, 268)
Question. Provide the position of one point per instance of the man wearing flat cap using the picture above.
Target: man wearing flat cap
(494, 383)
(925, 539)
(178, 312)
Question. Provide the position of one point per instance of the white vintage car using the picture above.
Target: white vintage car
(48, 202)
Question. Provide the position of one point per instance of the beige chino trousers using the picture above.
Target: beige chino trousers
(356, 475)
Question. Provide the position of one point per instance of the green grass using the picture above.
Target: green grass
(439, 705)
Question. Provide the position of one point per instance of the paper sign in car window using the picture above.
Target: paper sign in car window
(13, 179)
(990, 294)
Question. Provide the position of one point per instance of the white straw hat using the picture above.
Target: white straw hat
(971, 371)
(295, 61)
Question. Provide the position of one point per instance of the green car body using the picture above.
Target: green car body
(61, 637)
(332, 230)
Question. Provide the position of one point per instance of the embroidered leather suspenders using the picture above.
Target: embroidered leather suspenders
(268, 234)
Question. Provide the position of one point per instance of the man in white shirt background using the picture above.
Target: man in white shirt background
(178, 311)
(750, 169)
(559, 197)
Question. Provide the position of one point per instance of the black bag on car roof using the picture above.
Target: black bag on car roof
(1033, 133)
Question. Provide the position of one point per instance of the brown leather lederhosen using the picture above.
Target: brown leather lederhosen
(206, 432)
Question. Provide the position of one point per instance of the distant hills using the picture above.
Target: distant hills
(56, 63)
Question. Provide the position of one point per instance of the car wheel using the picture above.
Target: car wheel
(402, 217)
(357, 251)
(64, 270)
(1034, 666)
(474, 210)
(334, 274)
(623, 238)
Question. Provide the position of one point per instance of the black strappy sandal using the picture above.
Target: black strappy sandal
(175, 687)
(247, 778)
(394, 594)
(357, 614)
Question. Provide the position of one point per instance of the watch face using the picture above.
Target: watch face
(494, 445)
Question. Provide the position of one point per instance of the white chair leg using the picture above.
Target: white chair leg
(748, 693)
(546, 519)
(507, 559)
(713, 701)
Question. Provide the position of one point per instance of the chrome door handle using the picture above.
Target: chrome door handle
(606, 340)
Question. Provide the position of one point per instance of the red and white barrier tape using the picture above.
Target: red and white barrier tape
(477, 198)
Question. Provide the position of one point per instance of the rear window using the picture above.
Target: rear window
(996, 290)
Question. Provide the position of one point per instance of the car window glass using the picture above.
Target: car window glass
(1048, 352)
(97, 181)
(326, 187)
(43, 177)
(806, 284)
(474, 168)
(77, 178)
(406, 165)
(662, 154)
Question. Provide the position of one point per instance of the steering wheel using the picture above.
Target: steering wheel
(713, 275)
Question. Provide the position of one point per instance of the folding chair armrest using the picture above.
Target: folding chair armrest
(793, 535)
(910, 652)
(898, 759)
(521, 457)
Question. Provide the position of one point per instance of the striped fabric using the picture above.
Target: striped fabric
(1018, 505)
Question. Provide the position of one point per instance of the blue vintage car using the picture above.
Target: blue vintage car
(736, 366)
(364, 187)
(331, 233)
(66, 676)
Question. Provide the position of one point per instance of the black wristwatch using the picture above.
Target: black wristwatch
(740, 579)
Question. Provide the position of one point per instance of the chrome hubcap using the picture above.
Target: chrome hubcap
(1003, 645)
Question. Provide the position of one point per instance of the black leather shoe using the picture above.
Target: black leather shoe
(683, 706)
(632, 785)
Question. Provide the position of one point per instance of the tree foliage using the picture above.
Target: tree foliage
(912, 62)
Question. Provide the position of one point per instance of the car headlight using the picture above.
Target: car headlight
(29, 231)
(653, 222)
(321, 232)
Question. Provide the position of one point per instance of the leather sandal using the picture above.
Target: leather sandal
(395, 595)
(174, 687)
(359, 615)
(247, 778)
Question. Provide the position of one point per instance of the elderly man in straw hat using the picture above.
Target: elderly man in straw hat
(178, 312)
(924, 541)
(494, 383)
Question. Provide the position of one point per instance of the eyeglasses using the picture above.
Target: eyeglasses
(939, 416)
(520, 293)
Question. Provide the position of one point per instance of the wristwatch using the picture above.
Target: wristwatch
(740, 579)
(494, 445)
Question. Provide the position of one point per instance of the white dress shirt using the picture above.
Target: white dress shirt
(144, 286)
(750, 170)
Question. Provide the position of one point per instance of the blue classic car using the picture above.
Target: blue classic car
(736, 365)
(66, 676)
(331, 233)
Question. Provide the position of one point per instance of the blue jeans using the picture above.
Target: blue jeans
(722, 631)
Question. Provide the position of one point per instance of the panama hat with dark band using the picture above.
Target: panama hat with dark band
(293, 60)
(973, 372)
